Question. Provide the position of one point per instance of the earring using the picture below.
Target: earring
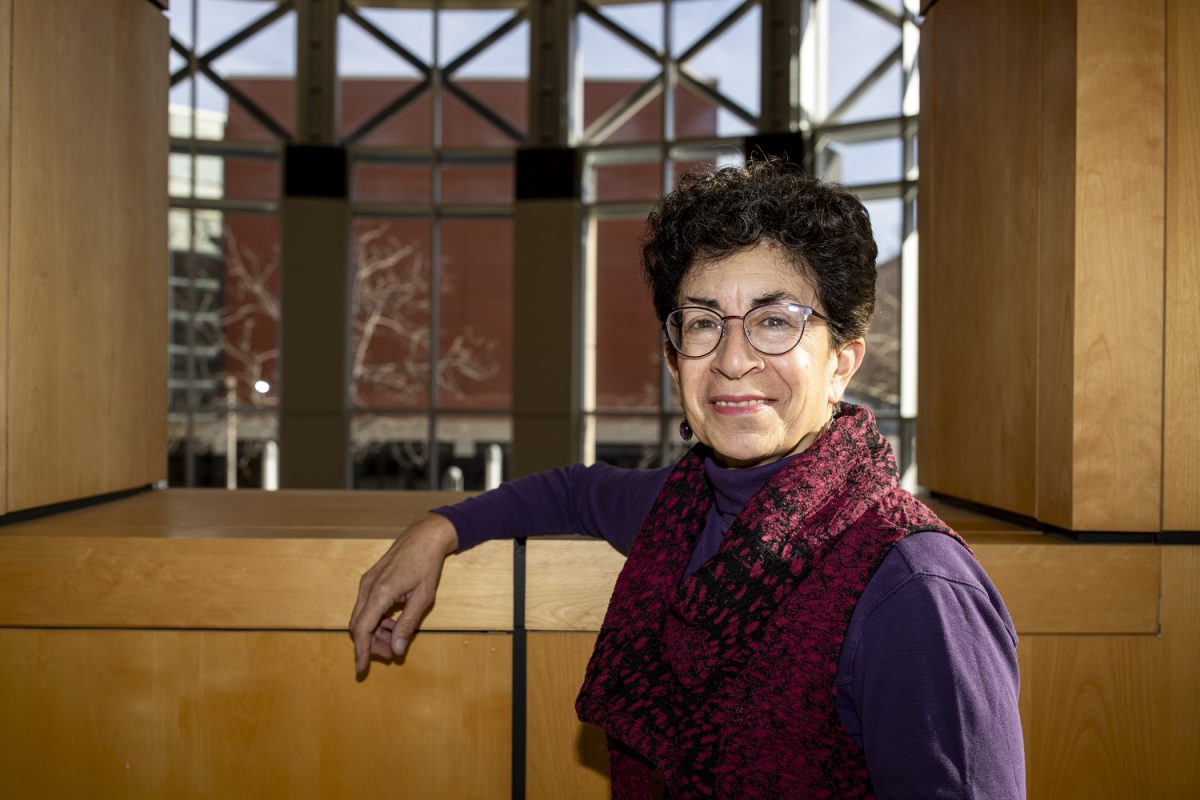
(685, 430)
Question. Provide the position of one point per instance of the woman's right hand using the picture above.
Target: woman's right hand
(406, 576)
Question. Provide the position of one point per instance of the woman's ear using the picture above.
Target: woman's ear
(672, 358)
(847, 361)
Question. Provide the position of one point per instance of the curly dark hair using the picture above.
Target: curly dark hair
(823, 229)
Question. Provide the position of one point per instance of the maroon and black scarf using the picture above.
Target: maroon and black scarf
(725, 680)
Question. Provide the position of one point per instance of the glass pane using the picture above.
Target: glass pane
(475, 343)
(179, 17)
(614, 91)
(219, 177)
(463, 126)
(473, 451)
(883, 99)
(490, 184)
(628, 338)
(390, 313)
(858, 41)
(270, 51)
(410, 112)
(361, 54)
(628, 182)
(390, 451)
(698, 117)
(216, 117)
(222, 348)
(391, 183)
(274, 97)
(411, 28)
(374, 79)
(251, 311)
(887, 218)
(643, 19)
(220, 19)
(508, 56)
(878, 380)
(629, 441)
(861, 162)
(691, 19)
(723, 63)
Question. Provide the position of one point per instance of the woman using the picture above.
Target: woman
(788, 623)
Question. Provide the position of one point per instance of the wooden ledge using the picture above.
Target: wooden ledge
(232, 560)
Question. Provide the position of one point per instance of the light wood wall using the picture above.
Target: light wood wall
(978, 271)
(229, 714)
(193, 644)
(1043, 220)
(5, 190)
(1181, 440)
(86, 252)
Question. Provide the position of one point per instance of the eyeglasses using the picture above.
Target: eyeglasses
(772, 329)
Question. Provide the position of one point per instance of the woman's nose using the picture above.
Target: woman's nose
(735, 355)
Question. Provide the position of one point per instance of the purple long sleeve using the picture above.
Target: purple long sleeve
(927, 681)
(601, 500)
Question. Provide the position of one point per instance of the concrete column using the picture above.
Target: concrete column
(315, 285)
(314, 413)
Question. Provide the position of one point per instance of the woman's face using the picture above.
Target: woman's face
(751, 408)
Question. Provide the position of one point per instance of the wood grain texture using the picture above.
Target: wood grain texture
(184, 511)
(1180, 671)
(86, 372)
(277, 584)
(1116, 716)
(568, 583)
(1181, 423)
(158, 714)
(1068, 588)
(1055, 145)
(565, 757)
(282, 560)
(5, 190)
(1119, 265)
(978, 270)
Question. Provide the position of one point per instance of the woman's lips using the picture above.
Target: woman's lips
(738, 405)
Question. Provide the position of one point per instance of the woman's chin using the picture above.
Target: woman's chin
(741, 453)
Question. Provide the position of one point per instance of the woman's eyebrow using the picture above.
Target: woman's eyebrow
(707, 302)
(773, 297)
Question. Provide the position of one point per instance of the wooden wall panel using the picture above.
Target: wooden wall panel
(86, 372)
(1055, 146)
(1117, 716)
(978, 268)
(155, 714)
(276, 583)
(1119, 258)
(1181, 423)
(569, 583)
(283, 560)
(5, 188)
(565, 758)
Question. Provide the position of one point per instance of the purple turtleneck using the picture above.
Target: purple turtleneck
(927, 681)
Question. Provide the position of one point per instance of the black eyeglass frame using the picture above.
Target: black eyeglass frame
(809, 312)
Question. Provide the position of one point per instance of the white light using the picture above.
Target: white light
(262, 387)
